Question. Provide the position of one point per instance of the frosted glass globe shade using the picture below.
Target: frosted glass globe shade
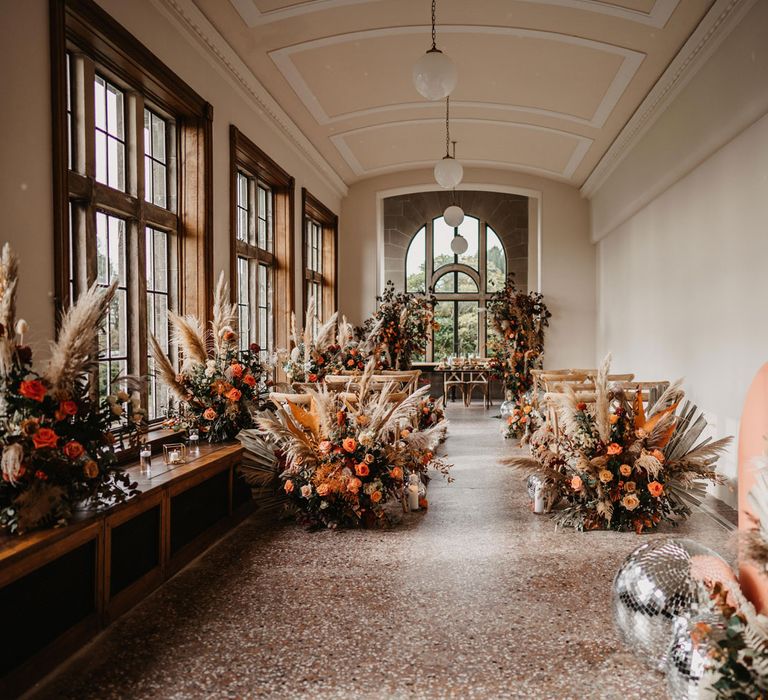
(435, 75)
(453, 216)
(459, 245)
(448, 172)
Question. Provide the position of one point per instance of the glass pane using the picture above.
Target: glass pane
(465, 283)
(100, 102)
(261, 242)
(161, 260)
(443, 336)
(117, 250)
(416, 263)
(446, 283)
(470, 230)
(158, 184)
(468, 338)
(242, 190)
(160, 320)
(242, 224)
(102, 249)
(158, 138)
(116, 164)
(147, 133)
(115, 114)
(148, 194)
(496, 261)
(442, 236)
(150, 265)
(101, 157)
(118, 331)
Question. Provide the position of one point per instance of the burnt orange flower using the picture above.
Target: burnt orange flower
(396, 473)
(33, 389)
(312, 377)
(237, 369)
(73, 449)
(220, 387)
(581, 406)
(45, 437)
(655, 488)
(209, 414)
(91, 469)
(615, 449)
(68, 408)
(659, 455)
(250, 380)
(361, 469)
(288, 486)
(234, 394)
(323, 490)
(376, 496)
(29, 426)
(40, 474)
(349, 444)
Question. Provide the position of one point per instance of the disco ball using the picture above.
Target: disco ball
(507, 408)
(657, 584)
(533, 483)
(688, 677)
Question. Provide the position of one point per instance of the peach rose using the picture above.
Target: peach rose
(405, 433)
(288, 486)
(396, 473)
(606, 475)
(237, 369)
(625, 470)
(33, 389)
(630, 487)
(363, 420)
(576, 483)
(250, 380)
(362, 469)
(630, 501)
(659, 455)
(655, 488)
(45, 437)
(353, 485)
(91, 469)
(615, 449)
(322, 490)
(369, 458)
(325, 446)
(306, 491)
(73, 449)
(376, 496)
(349, 444)
(209, 414)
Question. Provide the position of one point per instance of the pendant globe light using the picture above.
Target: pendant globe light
(434, 74)
(448, 171)
(453, 214)
(459, 244)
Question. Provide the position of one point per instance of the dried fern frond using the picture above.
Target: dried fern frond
(75, 351)
(164, 369)
(189, 335)
(224, 315)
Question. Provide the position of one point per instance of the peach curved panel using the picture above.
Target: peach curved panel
(752, 445)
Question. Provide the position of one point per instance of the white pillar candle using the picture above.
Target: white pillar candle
(538, 499)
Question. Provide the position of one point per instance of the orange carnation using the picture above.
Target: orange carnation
(655, 488)
(45, 437)
(33, 389)
(73, 449)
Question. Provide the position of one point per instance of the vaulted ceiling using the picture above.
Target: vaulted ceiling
(544, 86)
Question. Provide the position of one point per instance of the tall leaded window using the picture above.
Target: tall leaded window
(320, 231)
(125, 205)
(462, 283)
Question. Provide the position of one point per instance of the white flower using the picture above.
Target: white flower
(306, 491)
(505, 325)
(22, 327)
(366, 438)
(210, 368)
(11, 461)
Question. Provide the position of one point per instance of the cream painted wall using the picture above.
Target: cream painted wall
(25, 138)
(682, 283)
(567, 255)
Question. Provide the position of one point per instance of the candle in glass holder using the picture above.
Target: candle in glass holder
(193, 437)
(174, 453)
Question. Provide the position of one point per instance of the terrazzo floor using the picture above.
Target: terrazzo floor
(478, 598)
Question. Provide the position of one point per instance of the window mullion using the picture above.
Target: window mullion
(134, 145)
(253, 294)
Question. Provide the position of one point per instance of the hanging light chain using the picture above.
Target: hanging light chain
(447, 127)
(434, 32)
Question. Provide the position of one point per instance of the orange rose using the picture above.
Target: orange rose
(630, 501)
(33, 389)
(234, 394)
(209, 414)
(229, 336)
(615, 449)
(581, 406)
(625, 470)
(576, 483)
(353, 486)
(630, 487)
(68, 408)
(349, 444)
(655, 489)
(605, 475)
(350, 362)
(237, 369)
(90, 469)
(73, 449)
(45, 437)
(396, 473)
(361, 469)
(376, 496)
(288, 486)
(250, 380)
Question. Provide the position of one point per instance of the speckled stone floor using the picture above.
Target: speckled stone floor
(477, 598)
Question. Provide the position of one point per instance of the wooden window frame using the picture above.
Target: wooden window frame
(249, 159)
(314, 210)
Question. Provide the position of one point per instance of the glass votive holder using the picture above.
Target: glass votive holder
(174, 453)
(193, 441)
(145, 453)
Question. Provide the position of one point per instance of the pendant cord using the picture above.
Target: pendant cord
(434, 33)
(447, 128)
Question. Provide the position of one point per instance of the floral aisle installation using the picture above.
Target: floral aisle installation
(519, 321)
(399, 329)
(347, 464)
(614, 467)
(218, 386)
(57, 445)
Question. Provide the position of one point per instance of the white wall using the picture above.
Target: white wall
(683, 282)
(25, 138)
(567, 255)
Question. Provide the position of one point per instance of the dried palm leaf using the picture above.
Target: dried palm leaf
(75, 351)
(165, 371)
(673, 394)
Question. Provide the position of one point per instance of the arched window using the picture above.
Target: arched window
(462, 283)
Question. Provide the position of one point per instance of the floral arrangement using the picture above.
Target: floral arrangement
(219, 387)
(524, 420)
(400, 327)
(314, 352)
(617, 468)
(519, 320)
(57, 444)
(346, 463)
(431, 411)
